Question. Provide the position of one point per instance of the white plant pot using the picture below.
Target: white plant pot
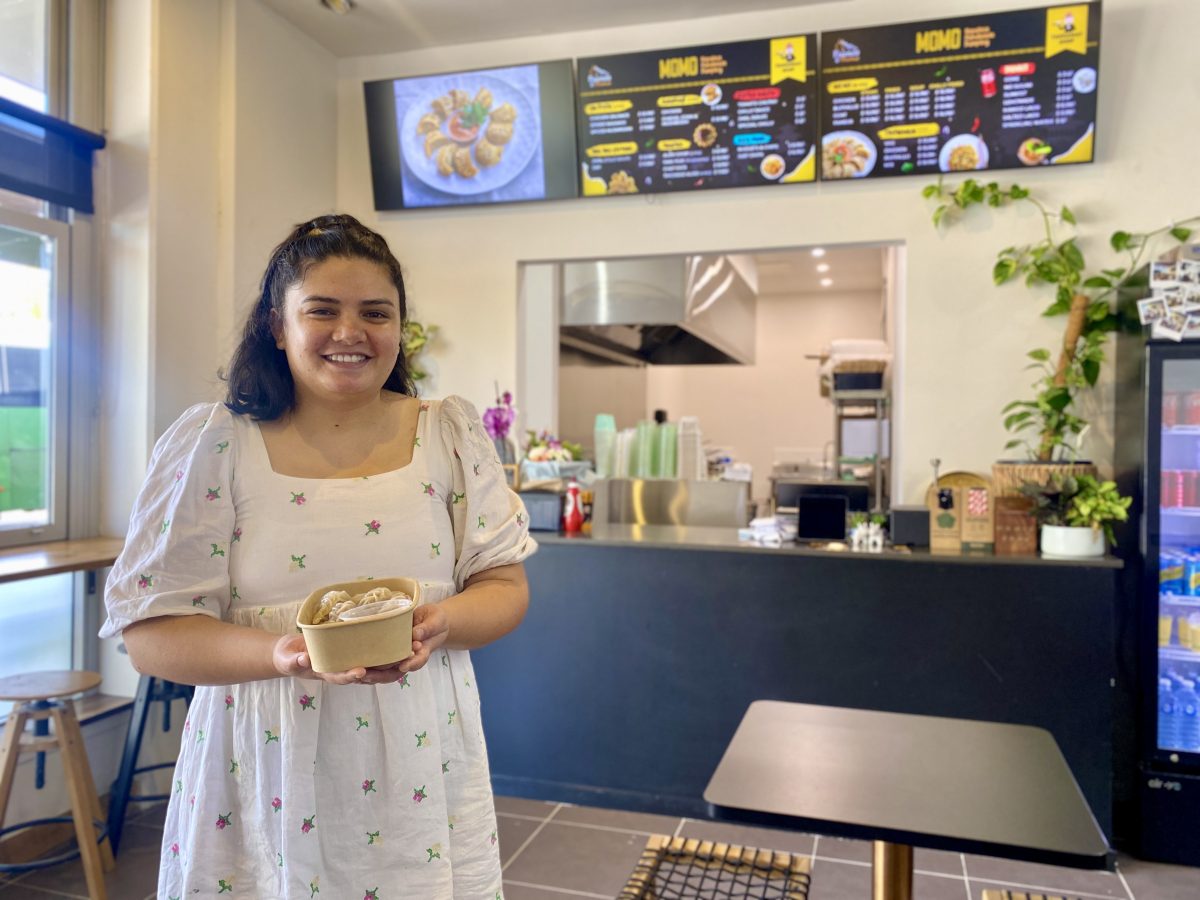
(1072, 542)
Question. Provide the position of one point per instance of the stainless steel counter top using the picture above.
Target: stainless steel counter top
(681, 537)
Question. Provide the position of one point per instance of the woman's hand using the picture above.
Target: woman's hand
(290, 657)
(430, 630)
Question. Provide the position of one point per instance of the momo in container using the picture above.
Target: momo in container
(371, 626)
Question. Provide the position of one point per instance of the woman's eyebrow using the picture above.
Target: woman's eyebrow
(317, 298)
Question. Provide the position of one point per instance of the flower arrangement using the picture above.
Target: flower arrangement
(498, 419)
(545, 447)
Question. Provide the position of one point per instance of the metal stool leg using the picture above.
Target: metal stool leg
(119, 798)
(150, 690)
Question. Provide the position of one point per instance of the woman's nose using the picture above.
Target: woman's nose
(348, 329)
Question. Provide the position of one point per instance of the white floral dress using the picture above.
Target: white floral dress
(292, 788)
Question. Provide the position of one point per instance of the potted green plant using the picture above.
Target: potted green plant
(1076, 514)
(1095, 303)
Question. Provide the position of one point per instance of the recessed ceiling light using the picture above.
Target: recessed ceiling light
(818, 251)
(823, 267)
(341, 7)
(826, 282)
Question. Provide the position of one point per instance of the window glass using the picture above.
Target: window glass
(27, 385)
(23, 70)
(35, 632)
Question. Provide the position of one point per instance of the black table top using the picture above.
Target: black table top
(949, 784)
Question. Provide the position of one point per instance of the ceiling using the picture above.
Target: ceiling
(390, 26)
(795, 271)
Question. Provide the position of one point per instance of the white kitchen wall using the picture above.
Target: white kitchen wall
(963, 339)
(775, 403)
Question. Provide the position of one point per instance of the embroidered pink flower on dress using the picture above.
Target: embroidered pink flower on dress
(277, 804)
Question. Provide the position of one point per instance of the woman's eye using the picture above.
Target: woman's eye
(377, 314)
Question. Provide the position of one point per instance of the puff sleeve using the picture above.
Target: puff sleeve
(175, 560)
(491, 527)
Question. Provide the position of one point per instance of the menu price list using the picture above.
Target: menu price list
(726, 115)
(993, 91)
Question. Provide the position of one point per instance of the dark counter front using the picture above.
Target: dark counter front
(638, 658)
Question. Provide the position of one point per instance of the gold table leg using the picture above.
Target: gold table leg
(892, 872)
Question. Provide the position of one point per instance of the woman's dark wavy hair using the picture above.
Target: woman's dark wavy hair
(259, 380)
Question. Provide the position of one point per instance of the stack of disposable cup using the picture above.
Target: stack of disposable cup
(641, 465)
(691, 462)
(666, 451)
(622, 453)
(605, 435)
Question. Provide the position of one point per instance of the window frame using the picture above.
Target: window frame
(60, 393)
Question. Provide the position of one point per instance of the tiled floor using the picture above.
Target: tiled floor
(556, 852)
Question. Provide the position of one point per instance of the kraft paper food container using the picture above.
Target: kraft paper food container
(369, 641)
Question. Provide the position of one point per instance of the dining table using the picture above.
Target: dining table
(902, 781)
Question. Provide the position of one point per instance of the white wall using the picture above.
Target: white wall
(220, 122)
(963, 340)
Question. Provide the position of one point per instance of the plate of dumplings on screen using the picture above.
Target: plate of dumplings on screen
(476, 134)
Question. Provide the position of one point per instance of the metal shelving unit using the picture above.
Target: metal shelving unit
(870, 404)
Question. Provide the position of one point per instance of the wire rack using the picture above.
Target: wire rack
(690, 869)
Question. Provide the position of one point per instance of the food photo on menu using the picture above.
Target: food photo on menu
(485, 136)
(989, 91)
(725, 115)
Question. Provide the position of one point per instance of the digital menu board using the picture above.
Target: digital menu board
(726, 115)
(989, 91)
(485, 136)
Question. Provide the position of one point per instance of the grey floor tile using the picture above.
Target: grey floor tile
(1046, 879)
(938, 861)
(763, 838)
(150, 815)
(513, 832)
(579, 859)
(978, 887)
(935, 887)
(844, 849)
(136, 873)
(614, 818)
(1159, 881)
(839, 881)
(530, 892)
(519, 806)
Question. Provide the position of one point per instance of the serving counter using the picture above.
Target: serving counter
(642, 649)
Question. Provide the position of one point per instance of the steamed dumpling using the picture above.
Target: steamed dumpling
(428, 122)
(445, 159)
(434, 140)
(504, 113)
(484, 98)
(459, 98)
(462, 163)
(498, 133)
(442, 107)
(487, 154)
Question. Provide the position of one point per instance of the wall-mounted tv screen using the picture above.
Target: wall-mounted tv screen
(485, 136)
(724, 115)
(988, 91)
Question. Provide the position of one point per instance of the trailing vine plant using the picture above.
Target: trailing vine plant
(416, 338)
(1047, 424)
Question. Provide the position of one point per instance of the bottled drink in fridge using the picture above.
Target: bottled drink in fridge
(1168, 718)
(1189, 720)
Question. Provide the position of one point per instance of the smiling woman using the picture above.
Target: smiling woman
(322, 468)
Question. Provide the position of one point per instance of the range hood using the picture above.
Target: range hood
(691, 310)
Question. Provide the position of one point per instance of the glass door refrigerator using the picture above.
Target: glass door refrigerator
(1168, 651)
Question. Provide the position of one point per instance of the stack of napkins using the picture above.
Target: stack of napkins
(769, 530)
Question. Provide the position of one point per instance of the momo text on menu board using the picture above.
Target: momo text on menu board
(726, 115)
(987, 91)
(484, 136)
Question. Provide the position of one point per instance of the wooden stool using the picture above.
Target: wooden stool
(43, 696)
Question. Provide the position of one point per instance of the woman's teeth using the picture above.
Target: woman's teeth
(346, 357)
